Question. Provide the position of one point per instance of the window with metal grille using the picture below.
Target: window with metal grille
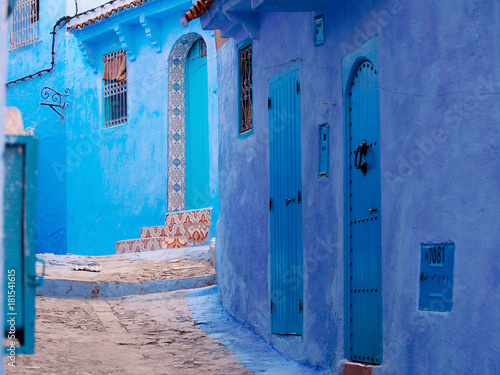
(246, 89)
(115, 88)
(23, 23)
(203, 48)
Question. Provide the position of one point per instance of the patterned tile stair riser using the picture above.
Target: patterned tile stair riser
(176, 223)
(138, 245)
(181, 229)
(152, 232)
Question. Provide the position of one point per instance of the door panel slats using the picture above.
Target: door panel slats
(286, 219)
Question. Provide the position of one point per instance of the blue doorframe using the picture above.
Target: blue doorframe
(286, 283)
(363, 292)
(197, 154)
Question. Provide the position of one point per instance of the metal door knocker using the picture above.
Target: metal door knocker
(362, 164)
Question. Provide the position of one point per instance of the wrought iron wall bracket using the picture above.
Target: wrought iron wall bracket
(56, 100)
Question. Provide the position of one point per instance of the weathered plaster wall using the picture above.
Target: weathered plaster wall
(444, 189)
(50, 128)
(439, 129)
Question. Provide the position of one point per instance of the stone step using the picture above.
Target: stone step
(157, 231)
(151, 244)
(173, 219)
(117, 289)
(193, 233)
(138, 245)
(181, 229)
(175, 223)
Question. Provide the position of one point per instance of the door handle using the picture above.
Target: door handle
(289, 201)
(361, 151)
(372, 210)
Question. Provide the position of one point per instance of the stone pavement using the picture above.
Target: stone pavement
(180, 332)
(118, 275)
(148, 334)
(255, 353)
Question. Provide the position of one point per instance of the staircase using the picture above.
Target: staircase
(182, 228)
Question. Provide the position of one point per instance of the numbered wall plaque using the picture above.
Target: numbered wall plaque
(436, 277)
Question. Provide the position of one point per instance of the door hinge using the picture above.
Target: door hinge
(268, 103)
(299, 198)
(271, 306)
(298, 87)
(270, 204)
(300, 306)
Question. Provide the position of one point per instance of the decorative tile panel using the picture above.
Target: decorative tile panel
(173, 242)
(196, 233)
(177, 121)
(139, 245)
(174, 221)
(180, 229)
(151, 232)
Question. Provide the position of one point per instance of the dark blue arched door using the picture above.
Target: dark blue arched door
(363, 251)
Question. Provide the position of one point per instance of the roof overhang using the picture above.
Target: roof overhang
(233, 16)
(122, 20)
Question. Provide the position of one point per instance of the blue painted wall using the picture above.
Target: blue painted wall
(50, 128)
(98, 186)
(439, 118)
(120, 185)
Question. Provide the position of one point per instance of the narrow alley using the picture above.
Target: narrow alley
(227, 187)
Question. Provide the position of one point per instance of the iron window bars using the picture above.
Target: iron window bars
(246, 88)
(203, 49)
(23, 23)
(115, 88)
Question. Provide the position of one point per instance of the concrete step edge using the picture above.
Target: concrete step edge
(62, 288)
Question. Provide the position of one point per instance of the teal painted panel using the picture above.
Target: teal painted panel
(197, 158)
(13, 229)
(286, 284)
(364, 311)
(20, 158)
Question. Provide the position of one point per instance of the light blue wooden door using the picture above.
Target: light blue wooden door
(197, 157)
(285, 203)
(364, 294)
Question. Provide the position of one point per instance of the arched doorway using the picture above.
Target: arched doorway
(197, 188)
(188, 157)
(363, 240)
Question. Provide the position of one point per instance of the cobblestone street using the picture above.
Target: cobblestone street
(184, 331)
(150, 334)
